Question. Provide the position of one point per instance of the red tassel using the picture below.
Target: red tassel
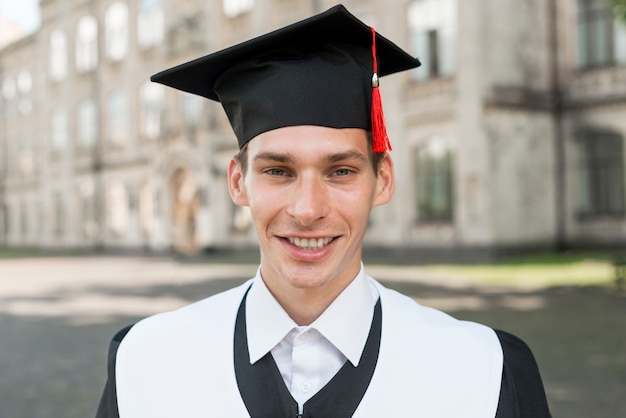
(379, 130)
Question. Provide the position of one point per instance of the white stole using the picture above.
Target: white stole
(180, 364)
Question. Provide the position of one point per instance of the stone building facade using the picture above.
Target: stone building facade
(509, 136)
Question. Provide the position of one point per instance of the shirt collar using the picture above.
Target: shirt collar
(353, 309)
(267, 323)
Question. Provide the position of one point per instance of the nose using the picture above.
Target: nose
(308, 200)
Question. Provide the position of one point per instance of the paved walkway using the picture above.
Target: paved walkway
(58, 314)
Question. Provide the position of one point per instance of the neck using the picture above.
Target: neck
(305, 304)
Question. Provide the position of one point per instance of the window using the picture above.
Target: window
(146, 208)
(8, 88)
(233, 8)
(151, 98)
(116, 24)
(9, 219)
(24, 82)
(5, 219)
(150, 24)
(86, 44)
(10, 154)
(87, 209)
(58, 55)
(118, 120)
(601, 39)
(434, 182)
(24, 87)
(117, 207)
(87, 128)
(191, 108)
(601, 174)
(24, 220)
(26, 157)
(59, 130)
(432, 25)
(58, 228)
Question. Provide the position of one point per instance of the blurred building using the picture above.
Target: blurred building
(509, 136)
(9, 31)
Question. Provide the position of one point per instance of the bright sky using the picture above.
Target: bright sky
(23, 12)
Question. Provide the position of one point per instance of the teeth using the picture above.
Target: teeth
(310, 244)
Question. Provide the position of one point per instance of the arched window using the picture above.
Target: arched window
(59, 132)
(87, 128)
(118, 117)
(58, 55)
(116, 26)
(117, 208)
(86, 44)
(151, 99)
(233, 8)
(150, 23)
(191, 107)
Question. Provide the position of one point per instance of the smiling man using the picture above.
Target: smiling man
(310, 190)
(312, 335)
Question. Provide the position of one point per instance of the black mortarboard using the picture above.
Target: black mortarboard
(319, 71)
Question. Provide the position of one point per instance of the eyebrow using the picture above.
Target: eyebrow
(344, 156)
(288, 158)
(274, 156)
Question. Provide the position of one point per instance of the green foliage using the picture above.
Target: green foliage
(619, 9)
(536, 271)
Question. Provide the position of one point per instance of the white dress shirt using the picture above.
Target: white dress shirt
(309, 356)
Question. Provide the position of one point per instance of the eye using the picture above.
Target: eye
(275, 172)
(342, 172)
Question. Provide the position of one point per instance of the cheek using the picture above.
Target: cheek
(354, 204)
(263, 200)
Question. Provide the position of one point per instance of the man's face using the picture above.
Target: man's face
(310, 190)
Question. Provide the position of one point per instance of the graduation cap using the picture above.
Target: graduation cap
(319, 71)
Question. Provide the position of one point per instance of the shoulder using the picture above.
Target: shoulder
(522, 393)
(185, 345)
(413, 315)
(441, 356)
(438, 334)
(208, 314)
(515, 349)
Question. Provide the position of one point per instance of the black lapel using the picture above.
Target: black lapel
(260, 384)
(342, 395)
(263, 389)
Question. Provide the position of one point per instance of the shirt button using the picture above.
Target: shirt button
(306, 387)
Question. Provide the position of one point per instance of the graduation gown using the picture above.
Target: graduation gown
(424, 364)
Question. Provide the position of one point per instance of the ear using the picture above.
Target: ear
(385, 181)
(236, 184)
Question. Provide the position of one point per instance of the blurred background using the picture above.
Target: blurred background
(508, 145)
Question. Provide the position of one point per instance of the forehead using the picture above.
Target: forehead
(310, 140)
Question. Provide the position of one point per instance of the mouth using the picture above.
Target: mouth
(310, 244)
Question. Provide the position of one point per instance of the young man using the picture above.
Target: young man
(312, 335)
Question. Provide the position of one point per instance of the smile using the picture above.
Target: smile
(310, 243)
